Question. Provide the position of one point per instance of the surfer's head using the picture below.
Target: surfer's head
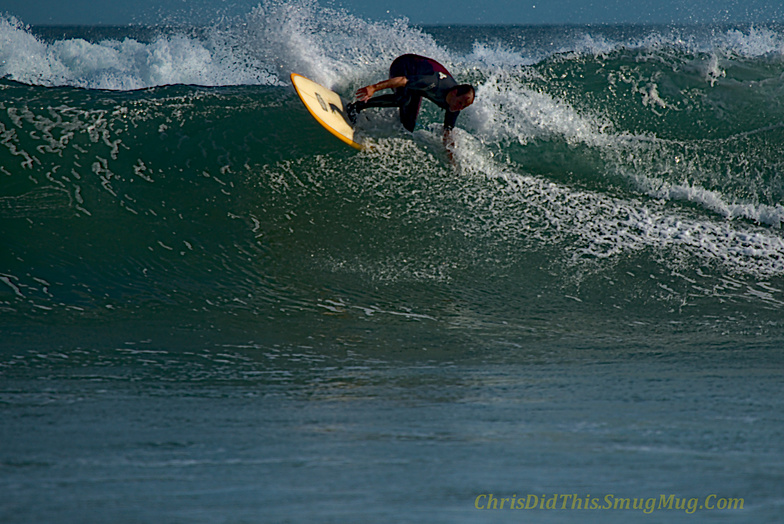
(460, 97)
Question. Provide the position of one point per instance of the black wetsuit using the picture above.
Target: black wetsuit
(425, 78)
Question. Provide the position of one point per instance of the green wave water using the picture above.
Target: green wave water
(196, 198)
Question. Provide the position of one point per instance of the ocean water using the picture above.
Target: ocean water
(211, 310)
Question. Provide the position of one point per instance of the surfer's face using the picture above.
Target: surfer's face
(459, 102)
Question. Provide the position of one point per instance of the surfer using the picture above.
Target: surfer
(413, 77)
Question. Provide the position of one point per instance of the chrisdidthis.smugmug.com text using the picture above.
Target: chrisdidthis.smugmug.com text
(609, 502)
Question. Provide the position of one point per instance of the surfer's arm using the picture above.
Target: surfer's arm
(449, 140)
(364, 93)
(449, 145)
(449, 123)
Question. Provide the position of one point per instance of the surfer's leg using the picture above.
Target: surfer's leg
(353, 109)
(408, 104)
(410, 111)
(392, 100)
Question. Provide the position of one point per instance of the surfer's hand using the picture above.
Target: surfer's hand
(363, 94)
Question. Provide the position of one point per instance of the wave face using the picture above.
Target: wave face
(171, 176)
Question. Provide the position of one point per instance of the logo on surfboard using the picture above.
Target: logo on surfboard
(321, 102)
(327, 107)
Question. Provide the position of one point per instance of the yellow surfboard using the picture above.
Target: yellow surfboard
(326, 107)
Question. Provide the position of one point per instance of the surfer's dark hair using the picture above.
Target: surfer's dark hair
(464, 89)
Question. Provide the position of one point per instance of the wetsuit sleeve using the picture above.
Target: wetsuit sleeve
(449, 119)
